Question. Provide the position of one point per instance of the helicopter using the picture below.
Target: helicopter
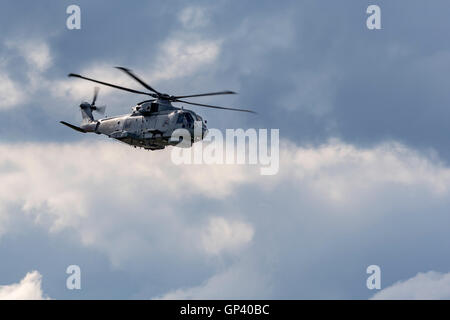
(151, 122)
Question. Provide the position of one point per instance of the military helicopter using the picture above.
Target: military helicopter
(151, 123)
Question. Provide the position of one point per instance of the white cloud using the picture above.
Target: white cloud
(77, 90)
(176, 58)
(327, 169)
(36, 52)
(237, 282)
(223, 235)
(62, 186)
(136, 206)
(10, 92)
(183, 55)
(194, 17)
(29, 288)
(88, 187)
(429, 285)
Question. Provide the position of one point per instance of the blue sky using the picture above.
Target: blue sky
(364, 177)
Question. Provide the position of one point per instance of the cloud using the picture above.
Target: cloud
(326, 169)
(183, 55)
(73, 89)
(237, 282)
(222, 235)
(60, 184)
(29, 288)
(330, 203)
(87, 186)
(423, 286)
(36, 52)
(137, 207)
(10, 92)
(37, 57)
(180, 55)
(194, 17)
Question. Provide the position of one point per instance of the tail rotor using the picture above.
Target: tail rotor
(99, 109)
(88, 123)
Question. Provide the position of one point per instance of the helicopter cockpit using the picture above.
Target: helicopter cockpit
(186, 120)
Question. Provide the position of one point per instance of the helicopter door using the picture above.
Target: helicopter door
(152, 122)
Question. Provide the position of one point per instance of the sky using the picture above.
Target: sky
(364, 175)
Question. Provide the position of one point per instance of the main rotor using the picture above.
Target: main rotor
(162, 96)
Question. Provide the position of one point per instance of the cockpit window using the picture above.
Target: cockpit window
(189, 118)
(186, 119)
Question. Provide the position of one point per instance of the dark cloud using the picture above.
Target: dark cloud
(311, 69)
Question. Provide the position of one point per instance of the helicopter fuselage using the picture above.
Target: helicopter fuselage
(153, 124)
(149, 126)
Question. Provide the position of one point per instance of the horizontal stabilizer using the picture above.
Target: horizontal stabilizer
(73, 127)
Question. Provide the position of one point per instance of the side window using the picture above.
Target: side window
(154, 107)
(180, 118)
(190, 119)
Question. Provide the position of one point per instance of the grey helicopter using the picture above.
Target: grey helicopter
(151, 123)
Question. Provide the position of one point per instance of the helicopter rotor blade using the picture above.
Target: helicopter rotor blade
(145, 101)
(112, 85)
(155, 93)
(95, 95)
(131, 74)
(205, 94)
(215, 107)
